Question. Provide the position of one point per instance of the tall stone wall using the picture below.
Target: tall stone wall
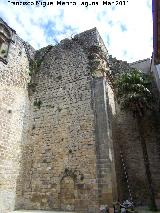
(14, 78)
(143, 65)
(62, 131)
(67, 162)
(126, 140)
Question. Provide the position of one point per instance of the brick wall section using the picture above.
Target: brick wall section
(13, 103)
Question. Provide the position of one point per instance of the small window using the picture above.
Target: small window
(5, 38)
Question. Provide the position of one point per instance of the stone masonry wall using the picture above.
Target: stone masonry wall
(126, 139)
(13, 105)
(61, 144)
(111, 115)
(61, 163)
(105, 164)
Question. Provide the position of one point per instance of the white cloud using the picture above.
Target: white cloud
(133, 44)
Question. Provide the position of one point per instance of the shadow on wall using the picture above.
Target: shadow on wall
(126, 139)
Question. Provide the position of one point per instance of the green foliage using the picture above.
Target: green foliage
(134, 92)
(95, 55)
(37, 103)
(82, 177)
(3, 51)
(95, 49)
(93, 72)
(34, 65)
(32, 86)
(152, 208)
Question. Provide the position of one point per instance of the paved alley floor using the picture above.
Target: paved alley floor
(37, 211)
(140, 210)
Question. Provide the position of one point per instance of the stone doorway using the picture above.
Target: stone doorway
(67, 194)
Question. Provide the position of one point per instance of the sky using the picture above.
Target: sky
(126, 29)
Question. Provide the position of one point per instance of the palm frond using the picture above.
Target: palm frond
(133, 91)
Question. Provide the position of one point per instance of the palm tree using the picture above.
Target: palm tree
(133, 92)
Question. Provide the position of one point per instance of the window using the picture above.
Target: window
(5, 38)
(4, 31)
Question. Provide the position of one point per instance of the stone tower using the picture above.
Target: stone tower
(14, 78)
(56, 144)
(62, 132)
(68, 156)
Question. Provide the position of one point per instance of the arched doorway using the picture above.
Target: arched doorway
(67, 194)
